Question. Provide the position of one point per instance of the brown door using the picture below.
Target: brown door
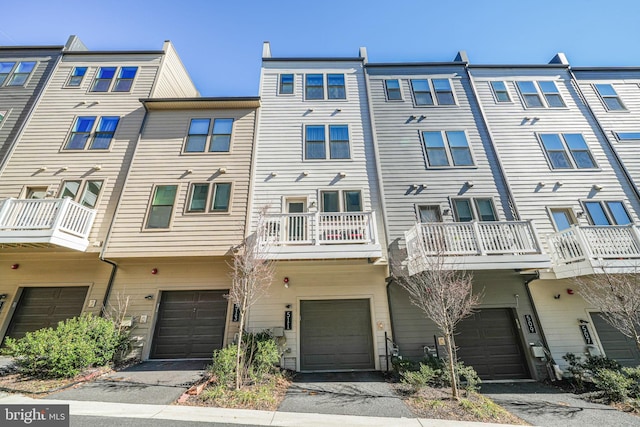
(489, 341)
(616, 346)
(336, 335)
(44, 307)
(189, 325)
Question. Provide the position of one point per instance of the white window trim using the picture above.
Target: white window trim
(207, 144)
(5, 84)
(325, 87)
(208, 207)
(386, 93)
(92, 135)
(433, 92)
(82, 188)
(327, 143)
(617, 135)
(340, 192)
(540, 93)
(605, 208)
(113, 80)
(624, 108)
(474, 207)
(569, 209)
(293, 92)
(84, 78)
(572, 162)
(417, 206)
(169, 227)
(447, 149)
(493, 92)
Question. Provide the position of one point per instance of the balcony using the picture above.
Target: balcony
(474, 246)
(45, 222)
(321, 235)
(587, 250)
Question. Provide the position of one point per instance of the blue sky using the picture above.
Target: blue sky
(220, 42)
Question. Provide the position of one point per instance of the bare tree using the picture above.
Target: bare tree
(251, 276)
(617, 297)
(445, 295)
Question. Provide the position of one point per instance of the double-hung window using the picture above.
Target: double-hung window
(533, 93)
(199, 141)
(83, 136)
(607, 213)
(477, 208)
(392, 87)
(315, 86)
(76, 77)
(500, 91)
(15, 75)
(429, 213)
(285, 85)
(335, 86)
(84, 192)
(161, 207)
(341, 201)
(315, 142)
(448, 148)
(609, 97)
(205, 197)
(557, 147)
(432, 92)
(106, 75)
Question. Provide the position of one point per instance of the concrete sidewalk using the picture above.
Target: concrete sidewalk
(232, 416)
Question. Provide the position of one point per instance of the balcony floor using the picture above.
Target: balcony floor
(484, 262)
(337, 251)
(43, 238)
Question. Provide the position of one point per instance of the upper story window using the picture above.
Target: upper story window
(500, 91)
(285, 85)
(424, 90)
(532, 98)
(609, 97)
(15, 74)
(315, 84)
(315, 142)
(105, 77)
(607, 213)
(448, 148)
(392, 88)
(341, 201)
(429, 213)
(628, 136)
(76, 77)
(84, 136)
(563, 218)
(161, 206)
(556, 147)
(471, 209)
(84, 192)
(203, 197)
(199, 141)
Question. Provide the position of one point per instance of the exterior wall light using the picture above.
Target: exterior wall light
(15, 266)
(154, 271)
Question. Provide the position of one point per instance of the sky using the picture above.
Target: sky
(220, 42)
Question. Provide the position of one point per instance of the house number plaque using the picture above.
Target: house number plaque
(585, 334)
(235, 317)
(288, 320)
(530, 325)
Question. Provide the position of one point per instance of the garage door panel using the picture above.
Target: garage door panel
(336, 335)
(616, 345)
(190, 324)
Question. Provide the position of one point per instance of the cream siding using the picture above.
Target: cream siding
(174, 80)
(159, 160)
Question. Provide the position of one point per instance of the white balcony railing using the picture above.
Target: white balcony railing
(45, 221)
(320, 228)
(472, 238)
(579, 243)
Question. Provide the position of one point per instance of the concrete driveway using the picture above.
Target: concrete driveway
(349, 393)
(152, 382)
(543, 405)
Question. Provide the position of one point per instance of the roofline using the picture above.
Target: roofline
(631, 68)
(519, 66)
(204, 99)
(413, 64)
(314, 59)
(238, 102)
(55, 47)
(115, 52)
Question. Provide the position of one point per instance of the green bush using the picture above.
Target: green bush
(74, 345)
(224, 365)
(434, 372)
(593, 363)
(614, 385)
(468, 377)
(423, 377)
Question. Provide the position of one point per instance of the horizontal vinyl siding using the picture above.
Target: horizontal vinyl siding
(280, 140)
(174, 80)
(48, 129)
(159, 161)
(524, 159)
(402, 156)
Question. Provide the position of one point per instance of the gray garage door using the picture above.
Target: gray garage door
(336, 335)
(616, 346)
(189, 325)
(44, 307)
(489, 341)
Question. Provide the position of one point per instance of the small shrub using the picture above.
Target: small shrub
(423, 377)
(614, 385)
(576, 369)
(224, 365)
(634, 375)
(468, 376)
(593, 363)
(74, 345)
(401, 365)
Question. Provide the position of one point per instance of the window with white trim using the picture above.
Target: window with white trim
(316, 146)
(76, 77)
(474, 209)
(202, 137)
(429, 213)
(432, 92)
(393, 91)
(500, 91)
(610, 212)
(161, 206)
(87, 135)
(15, 73)
(628, 136)
(315, 86)
(447, 148)
(106, 75)
(85, 192)
(341, 201)
(207, 197)
(609, 97)
(285, 84)
(563, 218)
(557, 146)
(533, 93)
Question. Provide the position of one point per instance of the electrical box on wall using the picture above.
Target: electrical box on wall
(277, 331)
(537, 351)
